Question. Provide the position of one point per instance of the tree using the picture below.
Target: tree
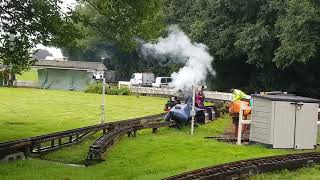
(122, 22)
(268, 41)
(298, 28)
(113, 31)
(284, 32)
(26, 23)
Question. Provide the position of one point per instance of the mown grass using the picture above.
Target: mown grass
(303, 173)
(148, 156)
(310, 173)
(31, 75)
(30, 112)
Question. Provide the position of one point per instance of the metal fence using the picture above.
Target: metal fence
(169, 92)
(29, 84)
(141, 90)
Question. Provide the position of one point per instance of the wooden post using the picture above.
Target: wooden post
(240, 125)
(242, 122)
(39, 147)
(102, 118)
(193, 113)
(28, 150)
(52, 143)
(154, 130)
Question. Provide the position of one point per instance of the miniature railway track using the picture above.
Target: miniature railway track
(44, 143)
(98, 149)
(39, 145)
(246, 168)
(229, 138)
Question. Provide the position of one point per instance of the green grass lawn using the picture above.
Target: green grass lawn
(303, 173)
(27, 112)
(31, 75)
(147, 156)
(310, 173)
(30, 112)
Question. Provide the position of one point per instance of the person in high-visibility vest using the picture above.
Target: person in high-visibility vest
(239, 98)
(239, 95)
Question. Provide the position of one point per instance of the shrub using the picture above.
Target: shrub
(94, 88)
(97, 89)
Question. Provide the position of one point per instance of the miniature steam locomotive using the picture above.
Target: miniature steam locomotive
(180, 111)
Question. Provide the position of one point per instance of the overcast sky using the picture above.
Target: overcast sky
(56, 52)
(68, 3)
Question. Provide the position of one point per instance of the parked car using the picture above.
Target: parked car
(162, 82)
(142, 79)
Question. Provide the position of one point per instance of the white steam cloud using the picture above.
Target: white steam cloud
(178, 47)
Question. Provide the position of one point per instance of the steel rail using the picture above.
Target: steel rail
(245, 168)
(54, 141)
(99, 148)
(38, 145)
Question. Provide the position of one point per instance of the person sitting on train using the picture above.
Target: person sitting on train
(199, 100)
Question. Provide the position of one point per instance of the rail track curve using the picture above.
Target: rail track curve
(38, 145)
(245, 168)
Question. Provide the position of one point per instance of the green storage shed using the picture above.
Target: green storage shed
(68, 75)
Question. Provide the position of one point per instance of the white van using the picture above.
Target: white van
(162, 82)
(142, 79)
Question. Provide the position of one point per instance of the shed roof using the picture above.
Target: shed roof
(289, 98)
(81, 65)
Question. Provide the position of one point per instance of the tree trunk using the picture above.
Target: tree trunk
(12, 78)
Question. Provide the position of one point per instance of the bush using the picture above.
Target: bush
(94, 88)
(97, 89)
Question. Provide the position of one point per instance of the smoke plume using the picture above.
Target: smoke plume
(179, 48)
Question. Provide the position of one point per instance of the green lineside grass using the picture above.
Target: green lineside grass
(148, 156)
(27, 112)
(31, 112)
(307, 173)
(304, 173)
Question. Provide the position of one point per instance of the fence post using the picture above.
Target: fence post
(240, 125)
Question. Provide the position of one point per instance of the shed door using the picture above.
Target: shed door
(284, 123)
(306, 126)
